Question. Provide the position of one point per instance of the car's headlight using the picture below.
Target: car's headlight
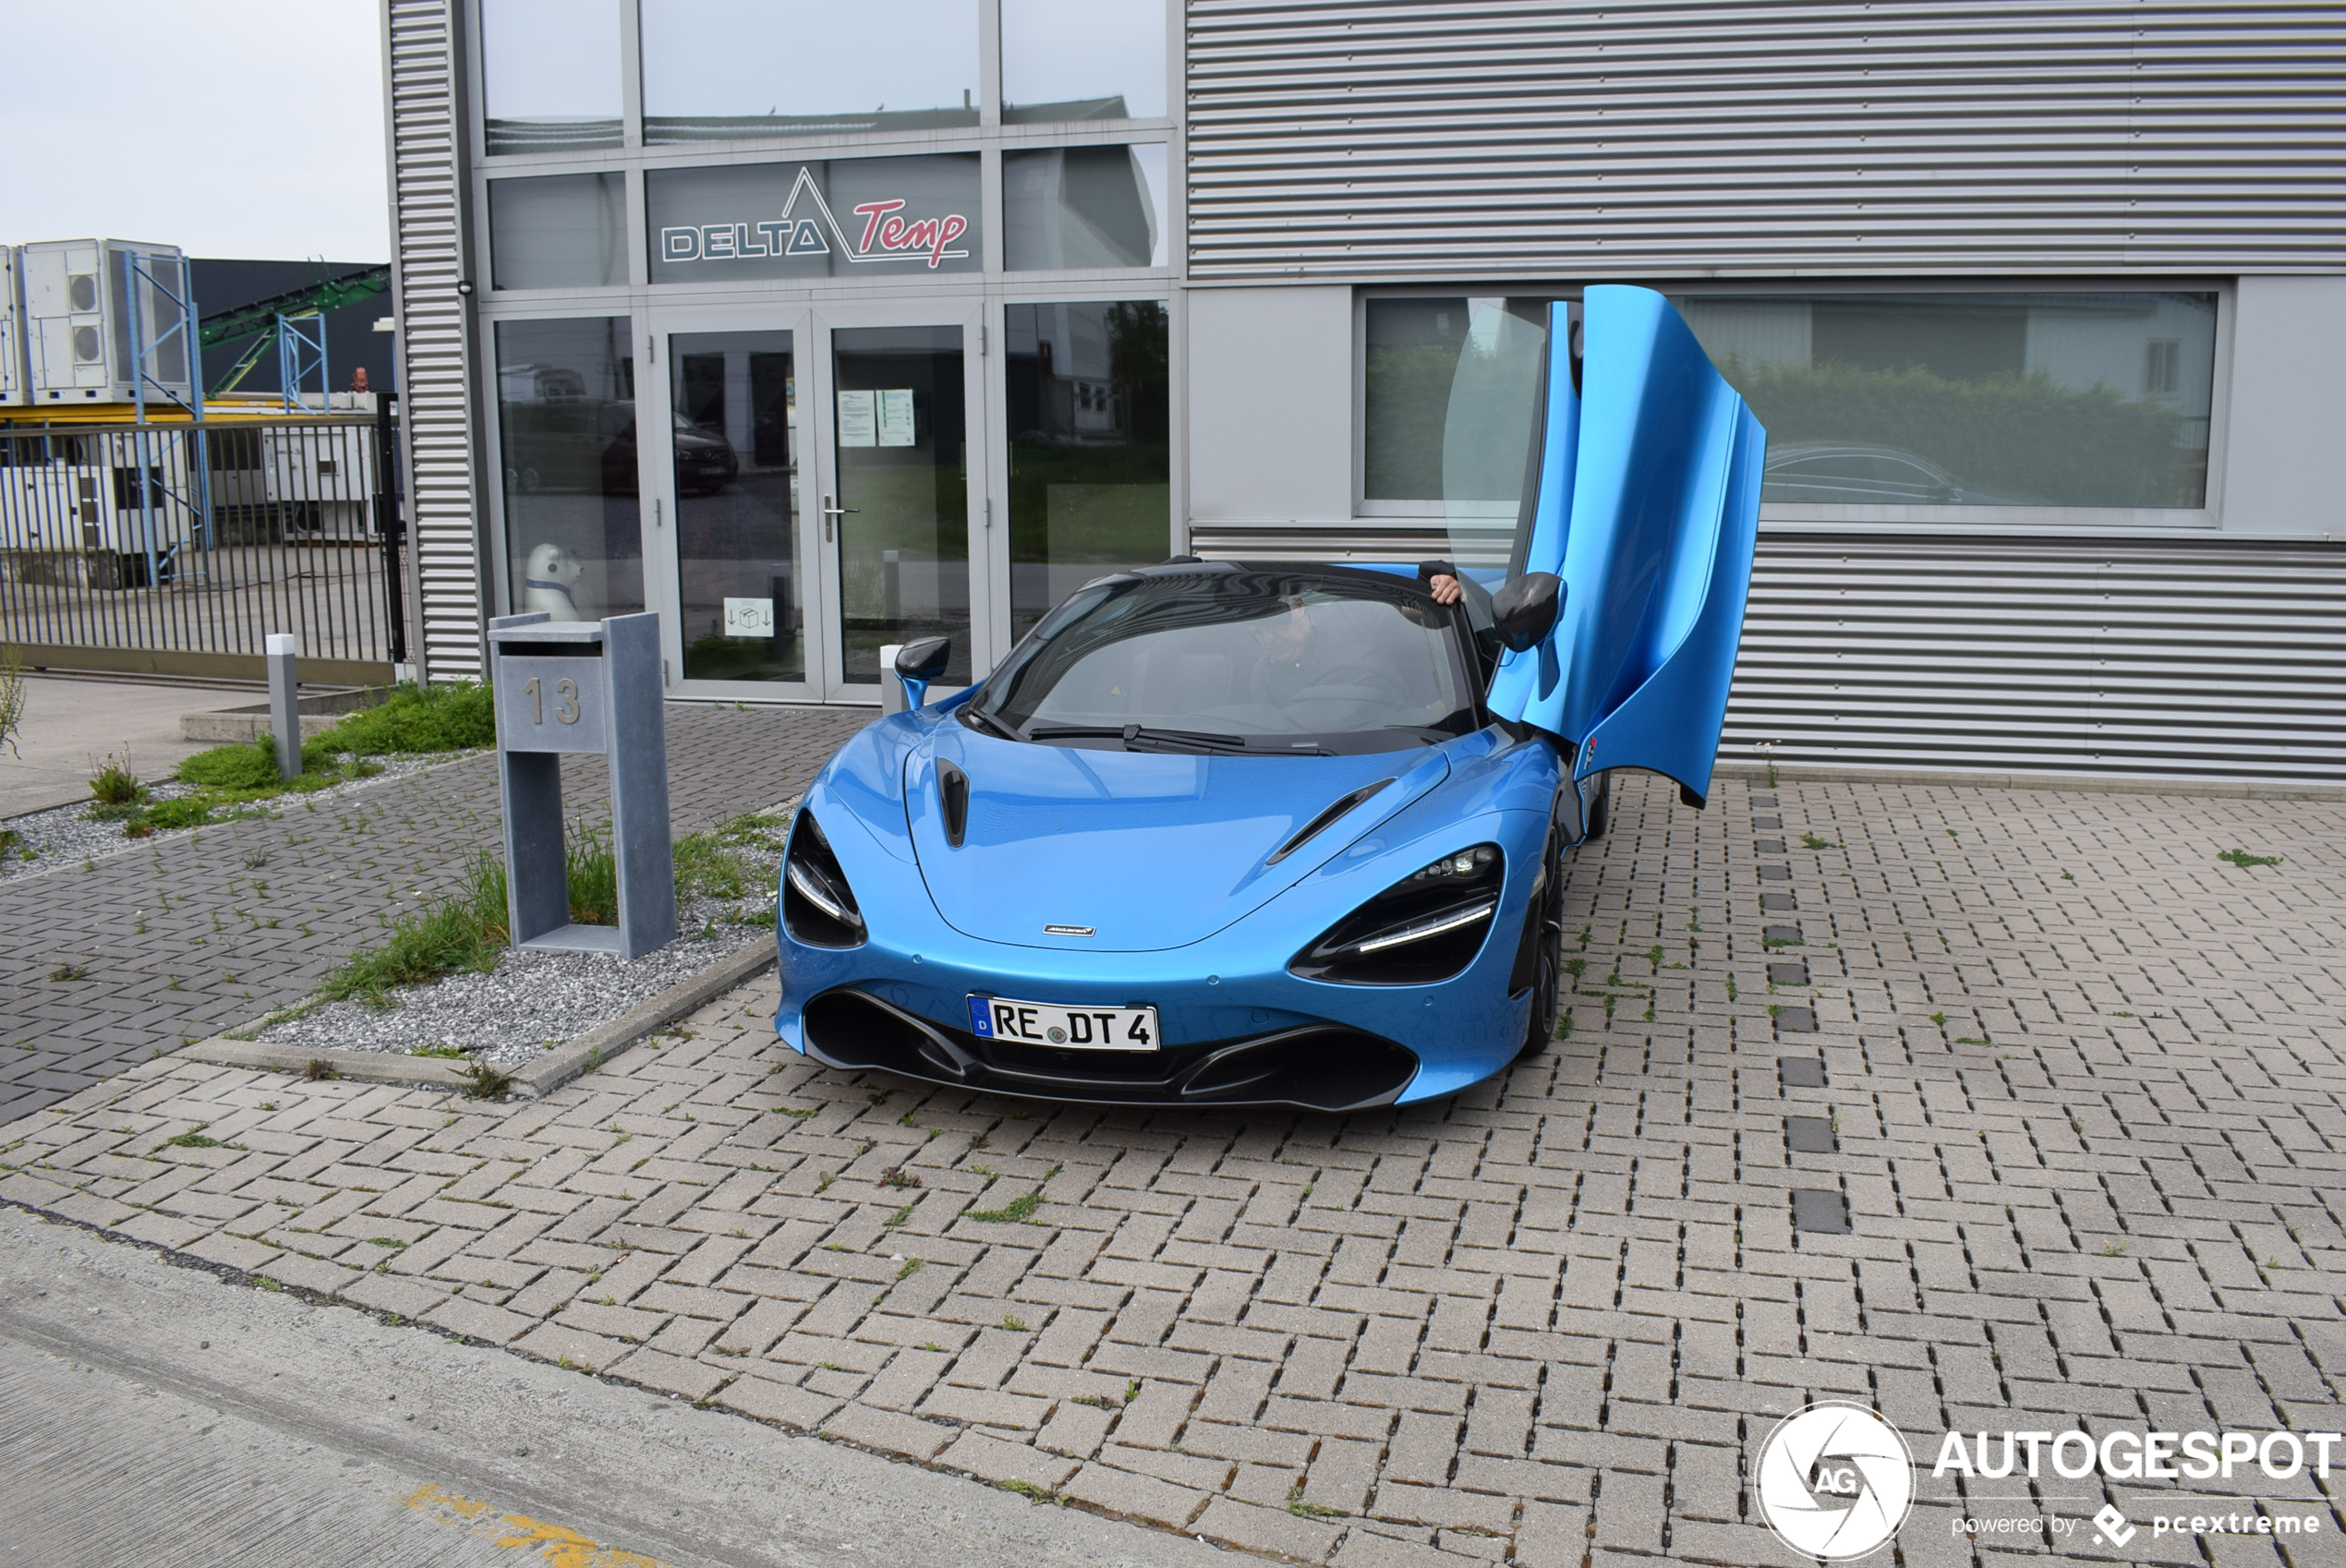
(1425, 927)
(817, 904)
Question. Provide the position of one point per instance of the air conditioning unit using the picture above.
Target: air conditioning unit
(78, 334)
(12, 366)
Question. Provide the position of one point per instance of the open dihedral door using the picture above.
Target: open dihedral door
(1647, 505)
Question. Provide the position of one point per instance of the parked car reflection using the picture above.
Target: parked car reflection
(1842, 474)
(583, 444)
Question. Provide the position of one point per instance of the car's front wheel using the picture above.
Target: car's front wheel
(1545, 937)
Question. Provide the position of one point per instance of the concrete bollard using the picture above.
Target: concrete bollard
(892, 699)
(284, 712)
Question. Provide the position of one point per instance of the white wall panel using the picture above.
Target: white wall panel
(2285, 448)
(1270, 406)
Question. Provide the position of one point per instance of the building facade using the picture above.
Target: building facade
(818, 328)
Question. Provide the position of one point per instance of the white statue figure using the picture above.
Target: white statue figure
(552, 571)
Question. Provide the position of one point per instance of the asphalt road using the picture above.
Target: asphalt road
(153, 1416)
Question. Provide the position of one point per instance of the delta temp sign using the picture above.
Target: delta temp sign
(885, 234)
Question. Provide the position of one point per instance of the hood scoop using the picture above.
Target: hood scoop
(954, 797)
(1313, 828)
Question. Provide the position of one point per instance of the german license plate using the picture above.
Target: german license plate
(1063, 1028)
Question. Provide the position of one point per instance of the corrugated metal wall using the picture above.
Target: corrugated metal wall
(435, 344)
(2199, 657)
(1533, 138)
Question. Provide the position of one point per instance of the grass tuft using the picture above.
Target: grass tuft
(465, 932)
(1017, 1210)
(2244, 859)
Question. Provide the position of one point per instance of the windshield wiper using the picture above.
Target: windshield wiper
(979, 715)
(1141, 738)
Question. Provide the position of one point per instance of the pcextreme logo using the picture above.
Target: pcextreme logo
(1835, 1482)
(885, 234)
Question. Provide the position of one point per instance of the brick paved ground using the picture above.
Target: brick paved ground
(2073, 1077)
(177, 940)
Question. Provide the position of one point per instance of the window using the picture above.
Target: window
(562, 230)
(1413, 363)
(1231, 662)
(1091, 471)
(1066, 207)
(728, 69)
(566, 421)
(2040, 400)
(550, 73)
(2043, 400)
(1083, 60)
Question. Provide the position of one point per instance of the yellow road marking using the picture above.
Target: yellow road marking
(560, 1546)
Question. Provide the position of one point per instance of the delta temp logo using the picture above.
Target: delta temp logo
(885, 236)
(1835, 1482)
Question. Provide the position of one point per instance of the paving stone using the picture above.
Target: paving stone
(2096, 1186)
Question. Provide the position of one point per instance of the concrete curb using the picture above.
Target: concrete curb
(582, 1053)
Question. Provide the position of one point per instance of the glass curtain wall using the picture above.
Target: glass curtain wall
(903, 493)
(722, 70)
(1083, 60)
(741, 592)
(566, 425)
(1090, 465)
(549, 72)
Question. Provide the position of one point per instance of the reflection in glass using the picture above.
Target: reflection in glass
(722, 70)
(903, 483)
(1083, 60)
(560, 231)
(1066, 207)
(1412, 351)
(1090, 471)
(550, 70)
(2085, 399)
(566, 422)
(735, 396)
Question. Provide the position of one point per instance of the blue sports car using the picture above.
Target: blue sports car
(1227, 833)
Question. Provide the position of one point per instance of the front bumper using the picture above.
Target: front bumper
(1315, 1066)
(1235, 1026)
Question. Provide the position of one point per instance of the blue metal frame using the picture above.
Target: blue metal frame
(301, 350)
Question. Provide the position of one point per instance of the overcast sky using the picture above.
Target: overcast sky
(227, 127)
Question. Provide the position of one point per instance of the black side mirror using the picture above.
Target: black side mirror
(1525, 609)
(919, 663)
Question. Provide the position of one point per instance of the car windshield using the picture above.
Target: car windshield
(1224, 662)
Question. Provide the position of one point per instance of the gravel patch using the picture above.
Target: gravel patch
(533, 1002)
(62, 838)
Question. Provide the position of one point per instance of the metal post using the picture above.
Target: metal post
(390, 525)
(139, 352)
(284, 711)
(194, 344)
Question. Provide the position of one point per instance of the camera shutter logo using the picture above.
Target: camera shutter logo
(1835, 1482)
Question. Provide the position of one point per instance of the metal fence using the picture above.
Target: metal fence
(188, 544)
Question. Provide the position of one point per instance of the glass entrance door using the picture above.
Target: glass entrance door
(898, 514)
(740, 587)
(824, 480)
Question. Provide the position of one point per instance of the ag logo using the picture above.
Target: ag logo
(1835, 1482)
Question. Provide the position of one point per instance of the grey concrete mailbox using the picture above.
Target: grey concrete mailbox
(589, 687)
